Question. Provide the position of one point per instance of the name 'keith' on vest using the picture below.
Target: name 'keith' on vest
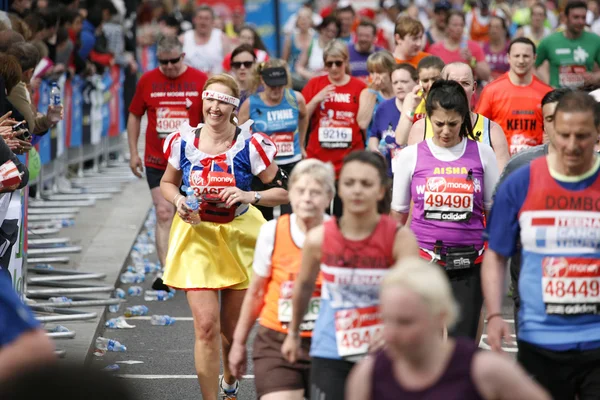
(450, 171)
(573, 202)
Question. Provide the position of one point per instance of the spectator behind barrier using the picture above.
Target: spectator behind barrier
(8, 38)
(38, 124)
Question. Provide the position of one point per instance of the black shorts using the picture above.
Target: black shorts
(273, 373)
(466, 287)
(153, 176)
(328, 378)
(567, 375)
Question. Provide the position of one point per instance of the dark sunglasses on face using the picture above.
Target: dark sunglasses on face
(338, 64)
(172, 61)
(238, 64)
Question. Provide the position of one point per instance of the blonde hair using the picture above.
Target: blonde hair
(337, 48)
(316, 169)
(255, 81)
(381, 61)
(429, 282)
(229, 81)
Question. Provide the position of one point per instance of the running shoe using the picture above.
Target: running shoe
(229, 394)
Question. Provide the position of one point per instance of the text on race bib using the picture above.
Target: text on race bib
(448, 199)
(284, 142)
(355, 329)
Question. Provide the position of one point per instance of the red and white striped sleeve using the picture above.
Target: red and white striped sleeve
(172, 149)
(262, 152)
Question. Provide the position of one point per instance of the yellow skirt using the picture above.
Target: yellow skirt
(211, 255)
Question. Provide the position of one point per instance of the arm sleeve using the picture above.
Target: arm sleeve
(138, 106)
(403, 173)
(490, 173)
(264, 249)
(172, 150)
(262, 152)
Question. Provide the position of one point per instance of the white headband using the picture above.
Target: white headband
(209, 94)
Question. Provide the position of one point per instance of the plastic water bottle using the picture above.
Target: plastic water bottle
(105, 344)
(162, 320)
(67, 222)
(111, 368)
(191, 200)
(55, 95)
(132, 277)
(118, 323)
(60, 300)
(119, 293)
(113, 308)
(60, 329)
(135, 291)
(44, 267)
(157, 295)
(136, 311)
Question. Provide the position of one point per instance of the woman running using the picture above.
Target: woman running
(243, 60)
(210, 252)
(276, 264)
(451, 179)
(333, 107)
(280, 113)
(353, 253)
(417, 363)
(310, 62)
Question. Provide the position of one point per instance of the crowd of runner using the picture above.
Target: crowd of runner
(362, 196)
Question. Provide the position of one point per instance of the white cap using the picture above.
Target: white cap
(343, 4)
(389, 3)
(596, 95)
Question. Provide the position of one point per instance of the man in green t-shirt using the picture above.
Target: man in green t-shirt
(570, 54)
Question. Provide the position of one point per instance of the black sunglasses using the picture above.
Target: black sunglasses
(238, 64)
(172, 61)
(338, 64)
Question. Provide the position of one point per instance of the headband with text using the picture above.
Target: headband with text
(209, 94)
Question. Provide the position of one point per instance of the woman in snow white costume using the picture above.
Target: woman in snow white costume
(212, 252)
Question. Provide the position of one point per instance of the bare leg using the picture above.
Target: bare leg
(231, 304)
(205, 309)
(165, 212)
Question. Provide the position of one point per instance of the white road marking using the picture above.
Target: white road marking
(133, 376)
(129, 362)
(148, 318)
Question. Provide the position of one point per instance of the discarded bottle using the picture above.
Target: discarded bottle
(105, 344)
(60, 300)
(131, 277)
(113, 308)
(119, 293)
(136, 311)
(60, 329)
(135, 291)
(67, 222)
(45, 267)
(55, 95)
(162, 320)
(118, 323)
(157, 295)
(111, 368)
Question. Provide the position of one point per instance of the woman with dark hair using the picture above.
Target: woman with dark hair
(450, 178)
(310, 62)
(353, 253)
(496, 50)
(243, 60)
(249, 37)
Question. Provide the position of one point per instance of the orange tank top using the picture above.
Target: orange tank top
(285, 265)
(479, 32)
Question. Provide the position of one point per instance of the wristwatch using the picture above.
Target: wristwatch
(257, 197)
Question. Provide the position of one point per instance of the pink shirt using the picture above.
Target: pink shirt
(438, 49)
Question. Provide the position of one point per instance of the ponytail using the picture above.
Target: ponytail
(254, 80)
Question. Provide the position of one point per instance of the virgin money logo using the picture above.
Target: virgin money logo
(346, 319)
(555, 266)
(196, 179)
(436, 185)
(286, 290)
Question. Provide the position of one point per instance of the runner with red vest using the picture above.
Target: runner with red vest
(277, 259)
(353, 253)
(553, 207)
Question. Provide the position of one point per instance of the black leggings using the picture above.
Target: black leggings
(328, 378)
(466, 287)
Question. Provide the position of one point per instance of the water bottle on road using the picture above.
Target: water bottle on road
(135, 291)
(157, 295)
(113, 308)
(162, 320)
(55, 95)
(136, 311)
(118, 323)
(105, 344)
(119, 293)
(60, 300)
(132, 277)
(60, 329)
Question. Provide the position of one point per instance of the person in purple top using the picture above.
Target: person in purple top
(496, 50)
(366, 32)
(381, 133)
(416, 361)
(450, 178)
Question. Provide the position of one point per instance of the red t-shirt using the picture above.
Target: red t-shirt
(334, 131)
(438, 49)
(169, 103)
(517, 109)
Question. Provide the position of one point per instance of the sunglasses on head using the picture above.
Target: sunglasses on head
(238, 64)
(330, 64)
(172, 61)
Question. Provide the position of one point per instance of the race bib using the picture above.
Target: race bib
(448, 199)
(284, 141)
(571, 285)
(355, 329)
(284, 307)
(335, 137)
(169, 119)
(571, 76)
(208, 187)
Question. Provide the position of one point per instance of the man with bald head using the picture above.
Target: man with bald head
(486, 131)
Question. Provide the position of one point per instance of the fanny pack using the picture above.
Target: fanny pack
(455, 258)
(210, 211)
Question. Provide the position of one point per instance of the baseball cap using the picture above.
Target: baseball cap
(389, 4)
(442, 6)
(276, 76)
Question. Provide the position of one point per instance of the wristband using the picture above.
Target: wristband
(294, 334)
(176, 200)
(489, 317)
(473, 62)
(411, 114)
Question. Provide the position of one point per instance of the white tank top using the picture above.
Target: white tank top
(315, 60)
(205, 57)
(527, 32)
